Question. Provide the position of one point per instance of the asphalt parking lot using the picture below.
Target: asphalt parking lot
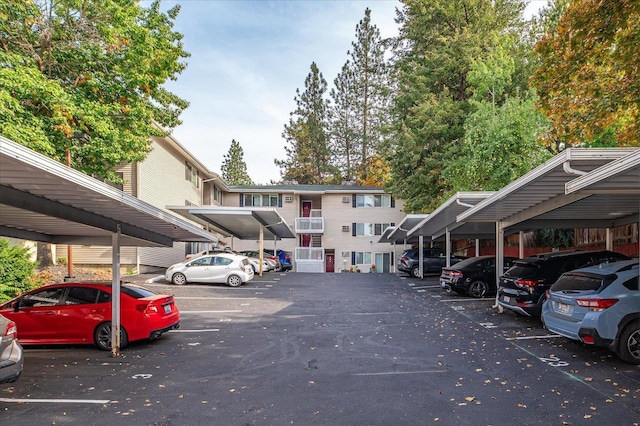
(330, 349)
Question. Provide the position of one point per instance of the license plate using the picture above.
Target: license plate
(506, 299)
(167, 309)
(563, 308)
(443, 285)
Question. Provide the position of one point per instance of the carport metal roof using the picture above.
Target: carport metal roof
(241, 222)
(398, 233)
(44, 200)
(538, 199)
(443, 218)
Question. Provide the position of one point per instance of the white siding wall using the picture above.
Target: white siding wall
(161, 183)
(338, 214)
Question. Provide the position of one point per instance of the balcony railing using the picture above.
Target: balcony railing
(309, 259)
(309, 225)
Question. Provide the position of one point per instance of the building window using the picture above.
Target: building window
(362, 258)
(261, 200)
(370, 200)
(382, 200)
(369, 229)
(191, 174)
(364, 200)
(380, 227)
(364, 229)
(217, 194)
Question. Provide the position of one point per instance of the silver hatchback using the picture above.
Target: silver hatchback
(11, 354)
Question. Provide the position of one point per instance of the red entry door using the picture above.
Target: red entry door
(306, 212)
(329, 262)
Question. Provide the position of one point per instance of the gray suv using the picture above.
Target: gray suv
(11, 354)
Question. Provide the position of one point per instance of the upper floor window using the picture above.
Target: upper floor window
(191, 174)
(217, 194)
(260, 200)
(371, 200)
(368, 229)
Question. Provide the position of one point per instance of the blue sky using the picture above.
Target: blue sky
(248, 57)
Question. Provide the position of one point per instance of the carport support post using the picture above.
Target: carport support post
(261, 247)
(420, 255)
(609, 239)
(499, 258)
(447, 238)
(115, 293)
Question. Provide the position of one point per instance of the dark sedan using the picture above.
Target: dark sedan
(475, 276)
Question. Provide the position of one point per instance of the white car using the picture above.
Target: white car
(226, 268)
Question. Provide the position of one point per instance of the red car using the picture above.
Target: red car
(78, 313)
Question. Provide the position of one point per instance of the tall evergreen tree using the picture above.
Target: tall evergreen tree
(234, 169)
(308, 156)
(343, 117)
(438, 41)
(371, 88)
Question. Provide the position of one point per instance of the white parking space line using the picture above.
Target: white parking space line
(390, 373)
(204, 330)
(468, 300)
(546, 336)
(213, 298)
(427, 286)
(58, 401)
(211, 312)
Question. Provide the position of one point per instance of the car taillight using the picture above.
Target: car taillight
(148, 308)
(12, 330)
(455, 273)
(528, 283)
(596, 305)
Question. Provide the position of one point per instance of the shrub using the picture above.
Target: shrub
(16, 270)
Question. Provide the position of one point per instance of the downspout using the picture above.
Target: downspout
(566, 166)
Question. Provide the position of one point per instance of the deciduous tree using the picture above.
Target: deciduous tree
(588, 80)
(87, 77)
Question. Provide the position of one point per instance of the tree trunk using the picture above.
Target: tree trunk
(44, 255)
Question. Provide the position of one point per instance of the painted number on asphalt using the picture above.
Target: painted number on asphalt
(554, 361)
(488, 325)
(142, 376)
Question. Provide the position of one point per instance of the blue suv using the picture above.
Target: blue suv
(598, 305)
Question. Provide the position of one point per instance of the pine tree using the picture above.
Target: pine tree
(371, 90)
(234, 169)
(345, 139)
(308, 156)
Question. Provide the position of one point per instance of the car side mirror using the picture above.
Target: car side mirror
(16, 305)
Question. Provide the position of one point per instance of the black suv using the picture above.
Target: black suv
(433, 260)
(522, 287)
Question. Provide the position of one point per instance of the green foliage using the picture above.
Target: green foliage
(86, 77)
(439, 43)
(588, 78)
(308, 155)
(555, 238)
(234, 169)
(16, 270)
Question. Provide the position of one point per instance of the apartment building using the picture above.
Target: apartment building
(337, 227)
(169, 175)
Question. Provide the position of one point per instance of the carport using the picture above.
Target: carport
(246, 223)
(578, 188)
(442, 222)
(43, 200)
